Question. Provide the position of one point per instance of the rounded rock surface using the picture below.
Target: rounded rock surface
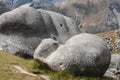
(46, 47)
(84, 54)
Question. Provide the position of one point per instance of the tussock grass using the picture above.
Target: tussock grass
(8, 72)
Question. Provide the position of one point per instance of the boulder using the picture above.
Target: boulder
(46, 47)
(114, 66)
(84, 54)
(22, 29)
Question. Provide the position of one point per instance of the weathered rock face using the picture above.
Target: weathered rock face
(3, 8)
(46, 47)
(8, 5)
(44, 4)
(117, 42)
(12, 4)
(23, 29)
(114, 66)
(83, 54)
(94, 16)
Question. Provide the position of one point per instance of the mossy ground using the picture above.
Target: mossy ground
(8, 72)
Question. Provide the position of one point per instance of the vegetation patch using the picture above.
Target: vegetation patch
(8, 72)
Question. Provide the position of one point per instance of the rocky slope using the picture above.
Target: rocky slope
(113, 40)
(12, 4)
(3, 8)
(93, 16)
(44, 4)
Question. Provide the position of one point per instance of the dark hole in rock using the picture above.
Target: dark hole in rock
(60, 63)
(61, 25)
(80, 26)
(54, 38)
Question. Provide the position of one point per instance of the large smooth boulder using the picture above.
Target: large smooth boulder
(114, 66)
(22, 29)
(84, 54)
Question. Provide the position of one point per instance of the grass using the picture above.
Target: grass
(8, 72)
(39, 67)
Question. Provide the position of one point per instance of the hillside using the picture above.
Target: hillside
(12, 4)
(94, 16)
(3, 8)
(9, 72)
(112, 38)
